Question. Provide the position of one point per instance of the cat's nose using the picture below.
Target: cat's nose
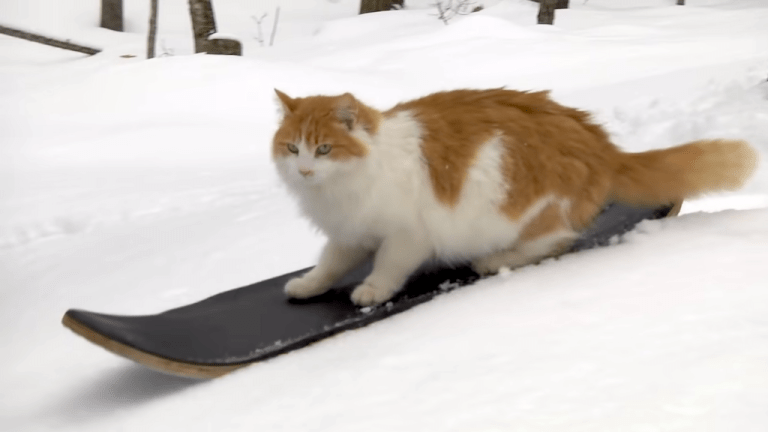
(305, 172)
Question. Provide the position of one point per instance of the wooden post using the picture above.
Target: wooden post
(112, 14)
(204, 25)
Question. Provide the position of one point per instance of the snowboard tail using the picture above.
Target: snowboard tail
(238, 327)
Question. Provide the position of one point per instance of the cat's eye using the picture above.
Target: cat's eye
(292, 148)
(323, 150)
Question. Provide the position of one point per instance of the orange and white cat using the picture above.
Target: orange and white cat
(497, 177)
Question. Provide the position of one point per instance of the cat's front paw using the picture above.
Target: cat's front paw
(303, 287)
(370, 295)
(485, 267)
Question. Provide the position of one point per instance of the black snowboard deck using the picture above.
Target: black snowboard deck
(235, 328)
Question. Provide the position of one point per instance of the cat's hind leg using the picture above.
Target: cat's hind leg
(336, 260)
(546, 235)
(523, 254)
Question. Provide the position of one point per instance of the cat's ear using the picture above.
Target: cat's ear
(288, 104)
(346, 110)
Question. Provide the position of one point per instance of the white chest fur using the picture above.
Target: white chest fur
(389, 191)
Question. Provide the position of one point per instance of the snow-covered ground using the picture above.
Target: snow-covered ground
(133, 186)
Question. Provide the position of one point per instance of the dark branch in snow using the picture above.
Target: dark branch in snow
(48, 41)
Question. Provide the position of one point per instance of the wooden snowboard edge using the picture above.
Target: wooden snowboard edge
(675, 210)
(159, 364)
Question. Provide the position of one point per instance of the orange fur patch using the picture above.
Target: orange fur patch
(549, 149)
(549, 221)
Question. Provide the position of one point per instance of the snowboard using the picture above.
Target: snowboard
(242, 326)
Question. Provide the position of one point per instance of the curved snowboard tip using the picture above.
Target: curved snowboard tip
(156, 363)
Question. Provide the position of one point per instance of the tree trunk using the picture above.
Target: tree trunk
(561, 4)
(152, 29)
(204, 25)
(547, 11)
(112, 14)
(367, 6)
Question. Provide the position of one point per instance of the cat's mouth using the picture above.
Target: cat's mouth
(309, 180)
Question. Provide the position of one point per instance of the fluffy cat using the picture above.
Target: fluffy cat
(497, 177)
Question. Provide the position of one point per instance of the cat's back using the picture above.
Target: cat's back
(469, 115)
(532, 144)
(481, 107)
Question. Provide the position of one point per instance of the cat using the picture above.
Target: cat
(499, 178)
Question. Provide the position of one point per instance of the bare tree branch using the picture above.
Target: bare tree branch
(260, 36)
(447, 9)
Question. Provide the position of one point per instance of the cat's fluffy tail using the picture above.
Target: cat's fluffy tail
(671, 175)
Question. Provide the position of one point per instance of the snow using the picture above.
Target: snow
(133, 186)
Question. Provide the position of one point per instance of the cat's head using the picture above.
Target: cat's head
(321, 138)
